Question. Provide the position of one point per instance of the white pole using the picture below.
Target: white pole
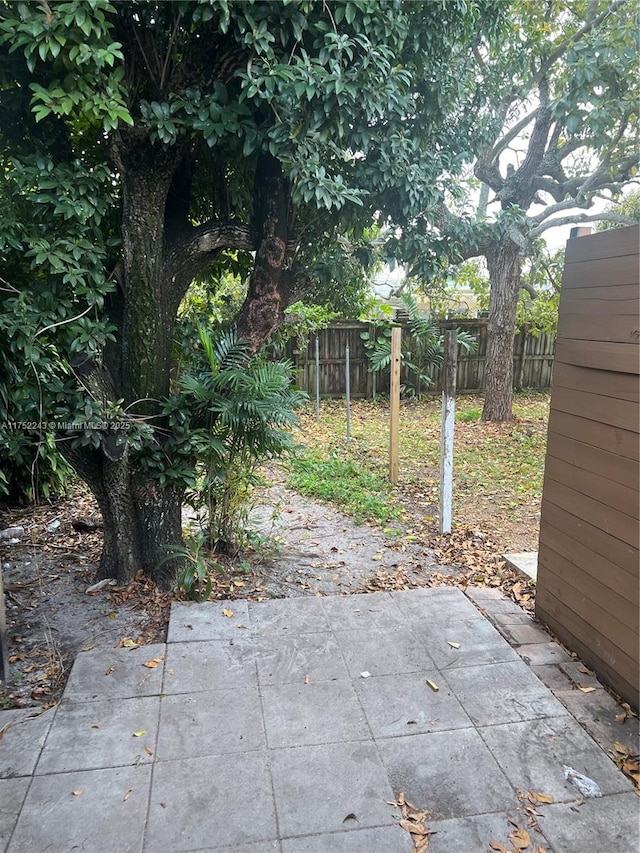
(394, 403)
(317, 379)
(348, 391)
(446, 435)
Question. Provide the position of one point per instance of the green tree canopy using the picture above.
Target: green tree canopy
(563, 98)
(146, 142)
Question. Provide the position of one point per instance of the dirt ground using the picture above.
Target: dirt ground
(307, 548)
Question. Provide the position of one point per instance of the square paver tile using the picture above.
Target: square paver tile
(209, 665)
(381, 839)
(537, 654)
(452, 774)
(116, 674)
(438, 606)
(318, 788)
(322, 712)
(476, 642)
(532, 755)
(107, 811)
(286, 659)
(597, 712)
(383, 651)
(607, 824)
(192, 621)
(287, 616)
(470, 834)
(398, 705)
(502, 693)
(90, 735)
(552, 677)
(210, 723)
(205, 803)
(12, 794)
(521, 635)
(25, 732)
(352, 612)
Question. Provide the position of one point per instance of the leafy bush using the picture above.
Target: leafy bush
(422, 345)
(242, 409)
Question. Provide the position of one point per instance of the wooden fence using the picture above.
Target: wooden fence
(588, 560)
(532, 364)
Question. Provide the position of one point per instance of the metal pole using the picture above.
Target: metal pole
(348, 391)
(446, 435)
(394, 403)
(317, 379)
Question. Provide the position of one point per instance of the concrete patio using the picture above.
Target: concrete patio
(291, 726)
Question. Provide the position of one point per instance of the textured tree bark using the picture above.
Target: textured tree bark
(503, 262)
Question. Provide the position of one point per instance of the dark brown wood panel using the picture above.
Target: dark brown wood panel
(607, 244)
(607, 383)
(611, 293)
(618, 670)
(622, 358)
(596, 461)
(601, 591)
(598, 272)
(621, 498)
(605, 518)
(620, 441)
(578, 534)
(596, 407)
(618, 328)
(601, 308)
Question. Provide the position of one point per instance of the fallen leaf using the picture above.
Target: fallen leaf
(433, 685)
(128, 643)
(77, 793)
(365, 674)
(520, 839)
(226, 612)
(112, 615)
(497, 845)
(241, 625)
(620, 718)
(535, 796)
(453, 645)
(152, 664)
(4, 729)
(350, 816)
(586, 689)
(585, 669)
(127, 795)
(140, 733)
(148, 750)
(306, 679)
(110, 670)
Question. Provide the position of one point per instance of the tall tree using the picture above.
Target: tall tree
(143, 141)
(564, 95)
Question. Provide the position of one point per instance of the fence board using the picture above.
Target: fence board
(532, 363)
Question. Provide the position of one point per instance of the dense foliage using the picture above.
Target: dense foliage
(145, 144)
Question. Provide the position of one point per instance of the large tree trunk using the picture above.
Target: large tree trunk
(503, 262)
(161, 255)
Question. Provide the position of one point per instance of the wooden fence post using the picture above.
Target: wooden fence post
(446, 434)
(394, 403)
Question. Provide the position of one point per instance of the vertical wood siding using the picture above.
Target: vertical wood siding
(532, 363)
(588, 559)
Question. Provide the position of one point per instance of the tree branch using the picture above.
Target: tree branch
(511, 134)
(584, 30)
(581, 217)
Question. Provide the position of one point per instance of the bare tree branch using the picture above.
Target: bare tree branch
(581, 217)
